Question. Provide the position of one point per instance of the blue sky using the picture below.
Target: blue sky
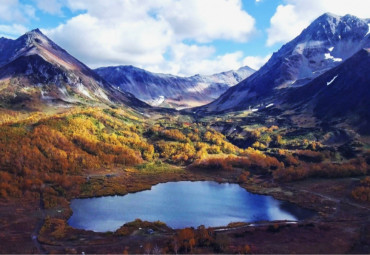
(183, 37)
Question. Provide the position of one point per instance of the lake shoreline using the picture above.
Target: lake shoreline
(183, 204)
(332, 217)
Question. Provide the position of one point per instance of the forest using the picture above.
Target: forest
(55, 150)
(84, 152)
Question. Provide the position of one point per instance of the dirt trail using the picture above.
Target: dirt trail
(38, 227)
(337, 201)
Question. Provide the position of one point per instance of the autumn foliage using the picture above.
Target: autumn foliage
(56, 149)
(355, 167)
(363, 191)
(49, 153)
(250, 159)
(60, 147)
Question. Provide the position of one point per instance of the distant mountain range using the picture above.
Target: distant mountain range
(34, 70)
(323, 73)
(172, 91)
(323, 45)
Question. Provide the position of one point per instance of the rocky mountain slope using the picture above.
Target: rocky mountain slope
(340, 95)
(33, 70)
(327, 42)
(172, 91)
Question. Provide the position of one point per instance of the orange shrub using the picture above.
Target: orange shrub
(212, 164)
(174, 134)
(361, 193)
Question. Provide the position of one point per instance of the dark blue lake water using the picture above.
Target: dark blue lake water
(182, 204)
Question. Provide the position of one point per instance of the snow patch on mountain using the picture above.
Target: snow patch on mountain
(158, 101)
(331, 81)
(169, 90)
(328, 56)
(323, 45)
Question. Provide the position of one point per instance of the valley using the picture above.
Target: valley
(323, 178)
(296, 130)
(171, 91)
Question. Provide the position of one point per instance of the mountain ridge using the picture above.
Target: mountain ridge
(169, 90)
(339, 95)
(34, 66)
(325, 43)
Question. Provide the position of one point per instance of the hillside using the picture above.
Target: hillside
(339, 95)
(34, 71)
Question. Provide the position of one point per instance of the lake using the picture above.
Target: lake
(182, 204)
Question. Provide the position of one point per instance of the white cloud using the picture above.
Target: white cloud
(152, 34)
(171, 36)
(14, 11)
(255, 62)
(13, 16)
(205, 20)
(294, 15)
(187, 60)
(192, 59)
(200, 20)
(112, 42)
(50, 6)
(285, 24)
(12, 31)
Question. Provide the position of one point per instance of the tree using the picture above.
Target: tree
(175, 245)
(184, 236)
(191, 244)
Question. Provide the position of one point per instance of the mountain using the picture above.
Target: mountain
(327, 42)
(169, 90)
(34, 69)
(339, 95)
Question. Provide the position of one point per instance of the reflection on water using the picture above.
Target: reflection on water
(181, 204)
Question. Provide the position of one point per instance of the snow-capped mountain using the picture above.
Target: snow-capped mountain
(33, 67)
(339, 95)
(169, 90)
(327, 42)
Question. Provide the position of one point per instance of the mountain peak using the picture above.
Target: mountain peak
(350, 16)
(35, 31)
(169, 90)
(330, 28)
(246, 68)
(37, 60)
(328, 15)
(35, 34)
(334, 20)
(325, 43)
